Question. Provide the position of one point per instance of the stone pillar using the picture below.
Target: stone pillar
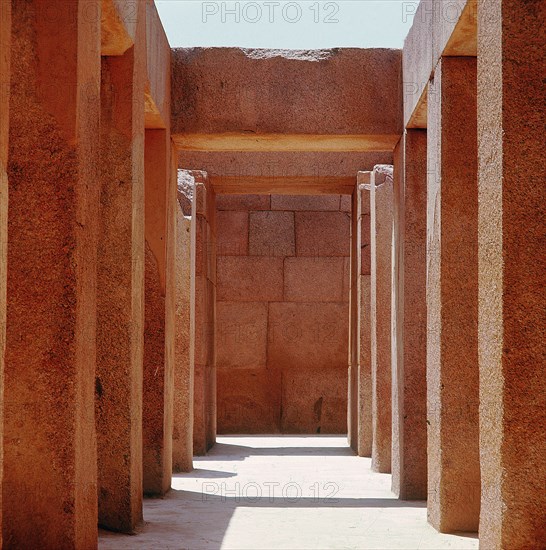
(159, 326)
(452, 298)
(203, 311)
(183, 375)
(380, 299)
(365, 355)
(50, 460)
(409, 318)
(511, 118)
(120, 287)
(353, 416)
(5, 56)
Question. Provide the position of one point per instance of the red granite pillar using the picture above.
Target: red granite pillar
(365, 355)
(452, 298)
(203, 311)
(409, 307)
(5, 57)
(120, 282)
(183, 375)
(160, 307)
(511, 118)
(381, 199)
(50, 461)
(353, 409)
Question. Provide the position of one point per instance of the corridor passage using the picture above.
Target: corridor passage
(284, 492)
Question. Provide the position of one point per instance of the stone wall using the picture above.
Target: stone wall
(282, 311)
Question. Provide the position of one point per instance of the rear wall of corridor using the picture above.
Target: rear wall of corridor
(282, 313)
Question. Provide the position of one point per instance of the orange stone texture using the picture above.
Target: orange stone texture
(452, 298)
(203, 311)
(282, 314)
(381, 222)
(160, 308)
(511, 175)
(5, 57)
(50, 457)
(120, 288)
(409, 317)
(364, 419)
(183, 374)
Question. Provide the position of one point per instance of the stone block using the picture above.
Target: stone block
(322, 233)
(249, 400)
(232, 228)
(345, 203)
(314, 401)
(250, 279)
(305, 202)
(314, 280)
(243, 202)
(241, 336)
(271, 234)
(308, 334)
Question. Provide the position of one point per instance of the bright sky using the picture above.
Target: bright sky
(285, 24)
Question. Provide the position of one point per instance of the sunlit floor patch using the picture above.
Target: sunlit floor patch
(284, 492)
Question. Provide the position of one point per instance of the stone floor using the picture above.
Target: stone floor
(284, 492)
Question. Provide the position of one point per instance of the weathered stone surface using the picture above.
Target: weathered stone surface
(271, 234)
(314, 401)
(234, 90)
(203, 314)
(159, 318)
(380, 299)
(354, 320)
(250, 279)
(243, 202)
(232, 233)
(50, 457)
(365, 364)
(249, 400)
(409, 315)
(308, 335)
(5, 59)
(511, 115)
(305, 202)
(452, 298)
(313, 240)
(120, 285)
(345, 203)
(183, 374)
(241, 334)
(314, 280)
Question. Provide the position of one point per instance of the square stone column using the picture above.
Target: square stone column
(452, 298)
(381, 209)
(120, 287)
(203, 314)
(409, 318)
(353, 416)
(183, 375)
(512, 172)
(50, 459)
(160, 307)
(5, 57)
(364, 376)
